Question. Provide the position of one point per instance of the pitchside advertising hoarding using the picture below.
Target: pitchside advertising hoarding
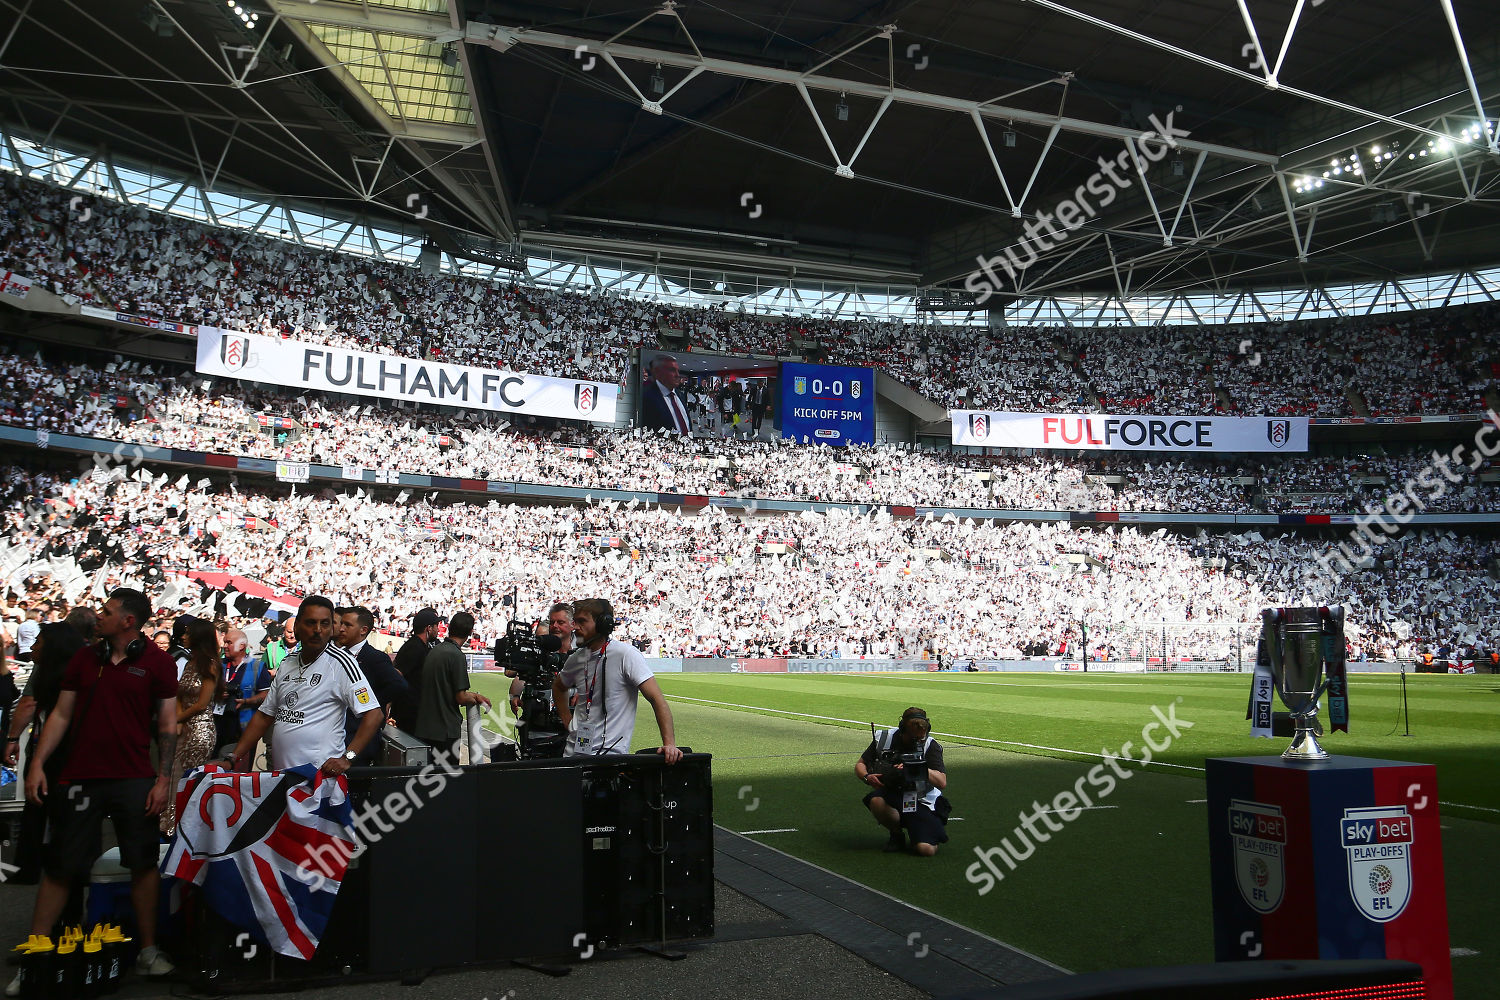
(323, 368)
(1106, 432)
(828, 404)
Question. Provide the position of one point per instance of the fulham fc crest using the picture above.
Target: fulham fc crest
(1279, 432)
(1259, 833)
(234, 352)
(1377, 840)
(855, 388)
(979, 426)
(585, 395)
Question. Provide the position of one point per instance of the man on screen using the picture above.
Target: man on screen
(661, 407)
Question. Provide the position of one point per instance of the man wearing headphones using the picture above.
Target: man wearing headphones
(606, 675)
(899, 809)
(109, 693)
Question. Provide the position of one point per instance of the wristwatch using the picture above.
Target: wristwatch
(350, 755)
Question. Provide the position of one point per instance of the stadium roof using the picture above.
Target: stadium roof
(871, 141)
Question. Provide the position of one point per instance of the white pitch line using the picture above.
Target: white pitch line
(890, 676)
(958, 736)
(1193, 802)
(789, 829)
(1076, 808)
(1461, 805)
(945, 680)
(1462, 952)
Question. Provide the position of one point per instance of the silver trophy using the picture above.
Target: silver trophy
(1298, 642)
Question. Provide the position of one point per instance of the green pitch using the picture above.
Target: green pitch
(1118, 886)
(1121, 885)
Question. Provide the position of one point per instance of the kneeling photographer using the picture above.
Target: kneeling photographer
(904, 767)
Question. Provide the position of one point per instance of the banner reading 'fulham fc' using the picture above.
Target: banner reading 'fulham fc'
(323, 368)
(1107, 432)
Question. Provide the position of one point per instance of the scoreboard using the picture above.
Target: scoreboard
(827, 404)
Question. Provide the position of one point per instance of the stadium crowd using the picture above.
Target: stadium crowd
(145, 263)
(715, 583)
(134, 403)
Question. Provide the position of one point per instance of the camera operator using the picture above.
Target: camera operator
(904, 767)
(559, 624)
(607, 675)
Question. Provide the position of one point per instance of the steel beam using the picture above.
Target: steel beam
(361, 16)
(503, 39)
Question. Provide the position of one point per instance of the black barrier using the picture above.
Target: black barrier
(508, 861)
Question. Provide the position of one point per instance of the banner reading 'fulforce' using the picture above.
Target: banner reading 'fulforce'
(1105, 432)
(323, 368)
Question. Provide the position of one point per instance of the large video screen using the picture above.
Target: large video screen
(828, 404)
(712, 394)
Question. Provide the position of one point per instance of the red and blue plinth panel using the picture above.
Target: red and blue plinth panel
(1338, 858)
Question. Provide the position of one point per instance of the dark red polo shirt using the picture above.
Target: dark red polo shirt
(112, 728)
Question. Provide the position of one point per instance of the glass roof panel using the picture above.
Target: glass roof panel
(404, 74)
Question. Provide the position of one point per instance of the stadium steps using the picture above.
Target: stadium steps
(922, 949)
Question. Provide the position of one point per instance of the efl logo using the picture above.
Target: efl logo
(1279, 432)
(1259, 832)
(234, 352)
(584, 397)
(1377, 841)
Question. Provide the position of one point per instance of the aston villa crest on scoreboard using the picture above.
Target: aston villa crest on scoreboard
(1377, 841)
(799, 385)
(1259, 833)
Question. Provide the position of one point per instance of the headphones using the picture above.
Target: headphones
(604, 621)
(920, 716)
(136, 647)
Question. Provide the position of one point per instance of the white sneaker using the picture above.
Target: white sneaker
(151, 962)
(14, 989)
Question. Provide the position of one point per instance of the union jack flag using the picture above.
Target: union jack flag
(268, 849)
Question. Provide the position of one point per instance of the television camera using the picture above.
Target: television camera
(900, 771)
(535, 659)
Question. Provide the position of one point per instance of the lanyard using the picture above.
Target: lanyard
(598, 669)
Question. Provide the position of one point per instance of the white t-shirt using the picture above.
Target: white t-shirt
(307, 705)
(606, 683)
(26, 635)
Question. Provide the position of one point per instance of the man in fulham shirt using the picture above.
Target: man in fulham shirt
(314, 686)
(606, 675)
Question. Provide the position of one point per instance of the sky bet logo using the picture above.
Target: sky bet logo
(1259, 834)
(1383, 825)
(1377, 841)
(1259, 825)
